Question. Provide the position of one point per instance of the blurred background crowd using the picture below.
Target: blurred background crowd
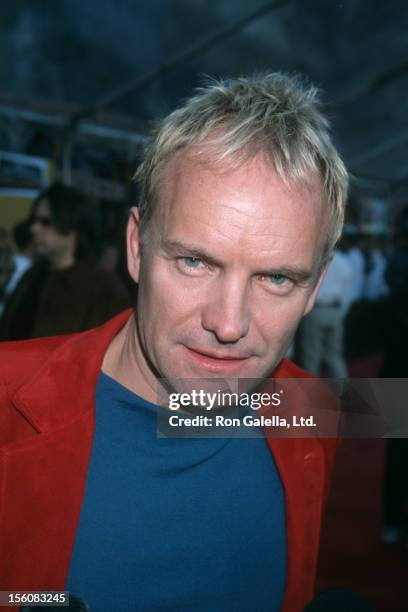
(80, 84)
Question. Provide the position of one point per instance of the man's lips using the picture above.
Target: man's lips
(216, 361)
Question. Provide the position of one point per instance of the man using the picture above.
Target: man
(242, 198)
(65, 291)
(23, 259)
(395, 486)
(6, 263)
(320, 335)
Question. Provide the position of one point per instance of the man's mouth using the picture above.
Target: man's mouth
(216, 362)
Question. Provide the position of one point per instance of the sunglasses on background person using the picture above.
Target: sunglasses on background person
(42, 220)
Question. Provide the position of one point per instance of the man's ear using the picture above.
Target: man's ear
(133, 244)
(312, 297)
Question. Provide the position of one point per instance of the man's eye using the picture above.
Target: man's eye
(192, 266)
(278, 279)
(192, 262)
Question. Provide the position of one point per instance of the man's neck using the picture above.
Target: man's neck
(125, 363)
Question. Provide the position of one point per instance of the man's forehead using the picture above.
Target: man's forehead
(227, 214)
(206, 178)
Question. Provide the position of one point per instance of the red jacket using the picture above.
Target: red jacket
(47, 417)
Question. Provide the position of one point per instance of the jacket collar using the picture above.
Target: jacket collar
(78, 359)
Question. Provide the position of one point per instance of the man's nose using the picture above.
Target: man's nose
(226, 314)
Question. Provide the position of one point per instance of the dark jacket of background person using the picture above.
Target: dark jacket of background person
(396, 363)
(52, 302)
(395, 488)
(6, 262)
(66, 290)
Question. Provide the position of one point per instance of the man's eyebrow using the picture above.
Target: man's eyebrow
(174, 247)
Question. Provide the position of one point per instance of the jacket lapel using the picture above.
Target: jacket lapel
(301, 465)
(43, 472)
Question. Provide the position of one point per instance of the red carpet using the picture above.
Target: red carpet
(352, 554)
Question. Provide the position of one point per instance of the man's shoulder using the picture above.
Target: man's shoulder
(21, 359)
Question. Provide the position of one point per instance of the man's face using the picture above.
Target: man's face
(48, 241)
(229, 267)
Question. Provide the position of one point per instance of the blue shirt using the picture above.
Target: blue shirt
(176, 524)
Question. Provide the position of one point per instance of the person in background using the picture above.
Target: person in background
(319, 341)
(65, 291)
(395, 365)
(375, 285)
(6, 264)
(23, 259)
(352, 247)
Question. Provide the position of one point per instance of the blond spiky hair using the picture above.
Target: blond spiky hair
(275, 114)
